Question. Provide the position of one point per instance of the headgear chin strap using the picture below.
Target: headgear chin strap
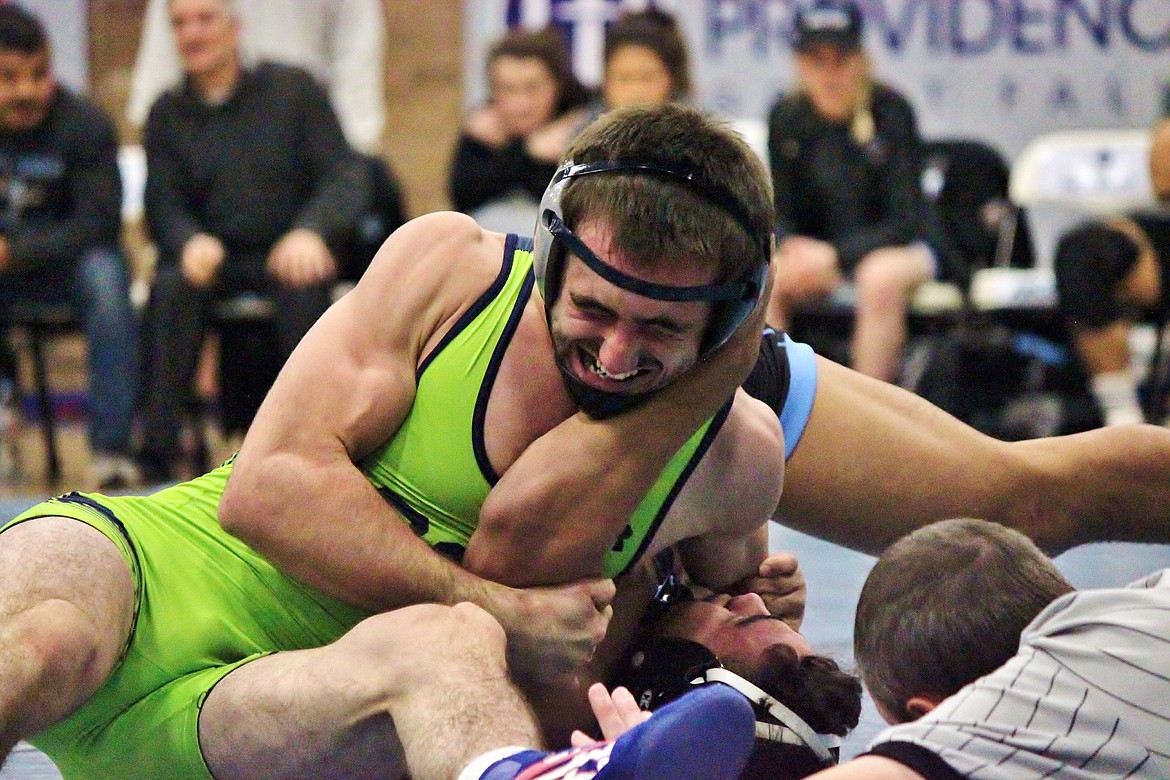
(791, 729)
(665, 669)
(733, 301)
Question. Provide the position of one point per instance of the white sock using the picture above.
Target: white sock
(475, 770)
(1116, 393)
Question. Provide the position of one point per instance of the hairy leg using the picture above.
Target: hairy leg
(877, 462)
(421, 691)
(66, 606)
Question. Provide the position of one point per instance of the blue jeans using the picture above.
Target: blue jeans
(100, 289)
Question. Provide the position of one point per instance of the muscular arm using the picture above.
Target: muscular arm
(876, 462)
(569, 495)
(295, 493)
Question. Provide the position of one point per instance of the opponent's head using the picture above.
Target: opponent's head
(944, 606)
(666, 215)
(27, 85)
(803, 702)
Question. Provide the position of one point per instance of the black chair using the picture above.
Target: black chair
(41, 322)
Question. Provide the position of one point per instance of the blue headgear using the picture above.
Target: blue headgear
(660, 670)
(733, 300)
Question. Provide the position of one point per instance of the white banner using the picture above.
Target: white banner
(998, 70)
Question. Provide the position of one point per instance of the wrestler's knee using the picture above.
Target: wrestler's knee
(55, 659)
(418, 642)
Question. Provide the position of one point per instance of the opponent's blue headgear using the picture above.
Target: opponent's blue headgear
(662, 669)
(733, 300)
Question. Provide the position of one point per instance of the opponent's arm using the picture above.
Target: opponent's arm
(877, 462)
(722, 514)
(565, 500)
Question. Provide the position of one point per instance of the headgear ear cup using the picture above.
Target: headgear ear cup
(728, 313)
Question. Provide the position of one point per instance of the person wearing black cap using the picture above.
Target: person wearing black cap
(844, 152)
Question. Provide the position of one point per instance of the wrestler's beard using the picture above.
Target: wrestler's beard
(598, 404)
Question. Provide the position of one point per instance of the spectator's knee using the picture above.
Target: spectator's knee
(884, 280)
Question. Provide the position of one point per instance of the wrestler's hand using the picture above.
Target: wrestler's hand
(552, 630)
(616, 713)
(780, 583)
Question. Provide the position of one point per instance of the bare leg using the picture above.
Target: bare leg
(886, 279)
(422, 690)
(877, 461)
(804, 271)
(66, 606)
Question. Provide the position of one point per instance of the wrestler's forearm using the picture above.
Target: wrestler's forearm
(868, 768)
(718, 562)
(568, 496)
(323, 523)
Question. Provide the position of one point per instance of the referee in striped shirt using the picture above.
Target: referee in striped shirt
(991, 666)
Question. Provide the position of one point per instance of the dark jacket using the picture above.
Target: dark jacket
(60, 192)
(269, 159)
(482, 173)
(857, 197)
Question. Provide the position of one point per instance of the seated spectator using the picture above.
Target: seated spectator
(340, 42)
(845, 157)
(645, 61)
(509, 149)
(1110, 272)
(971, 639)
(250, 184)
(60, 230)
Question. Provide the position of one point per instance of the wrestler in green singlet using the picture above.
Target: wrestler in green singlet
(205, 602)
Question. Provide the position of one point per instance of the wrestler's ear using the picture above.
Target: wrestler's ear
(920, 705)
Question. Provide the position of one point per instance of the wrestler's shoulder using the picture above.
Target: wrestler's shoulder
(438, 252)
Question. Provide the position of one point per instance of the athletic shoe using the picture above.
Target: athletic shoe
(705, 735)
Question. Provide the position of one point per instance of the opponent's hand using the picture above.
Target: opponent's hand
(552, 630)
(201, 258)
(616, 713)
(301, 259)
(780, 583)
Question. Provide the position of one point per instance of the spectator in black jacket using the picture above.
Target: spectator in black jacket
(60, 229)
(250, 184)
(509, 148)
(845, 156)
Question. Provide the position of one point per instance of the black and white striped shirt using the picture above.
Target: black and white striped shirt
(1086, 696)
